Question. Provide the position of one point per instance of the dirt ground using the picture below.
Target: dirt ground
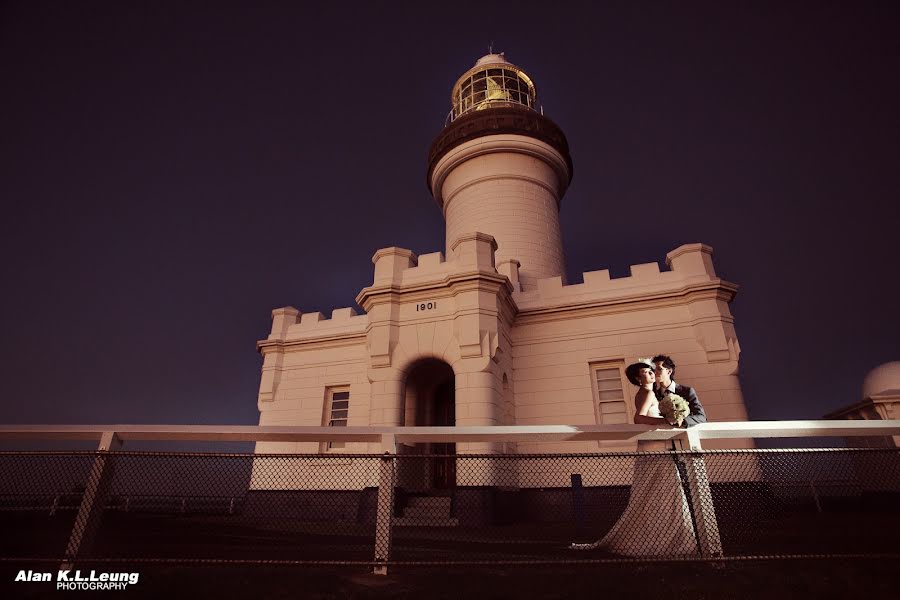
(786, 578)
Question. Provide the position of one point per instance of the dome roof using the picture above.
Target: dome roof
(492, 59)
(881, 379)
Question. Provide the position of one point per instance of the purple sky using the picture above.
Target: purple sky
(172, 171)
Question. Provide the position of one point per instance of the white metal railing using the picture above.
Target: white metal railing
(388, 437)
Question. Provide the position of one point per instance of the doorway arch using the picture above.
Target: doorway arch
(430, 401)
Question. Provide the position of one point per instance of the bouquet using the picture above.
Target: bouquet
(674, 409)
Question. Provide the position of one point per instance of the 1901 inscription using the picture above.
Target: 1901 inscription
(426, 306)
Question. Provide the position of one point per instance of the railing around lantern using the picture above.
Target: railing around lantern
(437, 505)
(454, 114)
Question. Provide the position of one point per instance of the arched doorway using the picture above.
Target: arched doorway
(430, 401)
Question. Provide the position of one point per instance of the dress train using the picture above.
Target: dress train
(657, 520)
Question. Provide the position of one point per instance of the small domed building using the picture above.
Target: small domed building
(489, 332)
(880, 400)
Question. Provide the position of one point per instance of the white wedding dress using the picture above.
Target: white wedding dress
(657, 519)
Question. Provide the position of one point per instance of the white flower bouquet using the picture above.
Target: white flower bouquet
(674, 409)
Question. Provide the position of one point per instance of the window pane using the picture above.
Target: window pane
(495, 89)
(495, 72)
(339, 414)
(609, 384)
(609, 408)
(340, 405)
(340, 423)
(615, 419)
(610, 395)
(340, 396)
(607, 373)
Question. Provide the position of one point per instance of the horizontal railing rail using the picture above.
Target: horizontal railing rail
(501, 433)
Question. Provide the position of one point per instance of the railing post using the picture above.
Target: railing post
(701, 498)
(94, 499)
(384, 514)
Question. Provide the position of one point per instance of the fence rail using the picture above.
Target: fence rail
(513, 433)
(396, 507)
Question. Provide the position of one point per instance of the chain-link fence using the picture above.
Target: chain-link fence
(361, 508)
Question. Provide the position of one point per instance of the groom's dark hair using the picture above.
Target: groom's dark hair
(667, 362)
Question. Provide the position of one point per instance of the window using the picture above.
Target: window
(489, 86)
(609, 391)
(336, 409)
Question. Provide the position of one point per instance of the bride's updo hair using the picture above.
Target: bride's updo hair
(632, 370)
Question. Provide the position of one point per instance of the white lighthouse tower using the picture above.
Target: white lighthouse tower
(501, 168)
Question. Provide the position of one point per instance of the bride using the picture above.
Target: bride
(657, 519)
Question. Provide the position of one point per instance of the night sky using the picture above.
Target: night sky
(170, 172)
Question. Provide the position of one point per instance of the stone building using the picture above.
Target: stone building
(489, 332)
(880, 401)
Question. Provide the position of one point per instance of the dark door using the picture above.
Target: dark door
(443, 468)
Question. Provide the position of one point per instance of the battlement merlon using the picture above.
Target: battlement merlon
(692, 259)
(282, 319)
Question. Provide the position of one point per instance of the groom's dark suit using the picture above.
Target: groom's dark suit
(688, 393)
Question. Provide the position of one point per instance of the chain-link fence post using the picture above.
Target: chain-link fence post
(94, 499)
(701, 499)
(384, 515)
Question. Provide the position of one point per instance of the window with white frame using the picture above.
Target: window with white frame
(609, 392)
(336, 410)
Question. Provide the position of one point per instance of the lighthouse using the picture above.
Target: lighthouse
(488, 332)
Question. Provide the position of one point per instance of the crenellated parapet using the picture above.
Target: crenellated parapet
(396, 270)
(404, 280)
(691, 267)
(291, 325)
(401, 268)
(690, 286)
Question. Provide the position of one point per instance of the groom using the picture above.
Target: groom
(665, 370)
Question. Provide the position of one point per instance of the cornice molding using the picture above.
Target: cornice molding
(453, 283)
(870, 402)
(716, 289)
(312, 343)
